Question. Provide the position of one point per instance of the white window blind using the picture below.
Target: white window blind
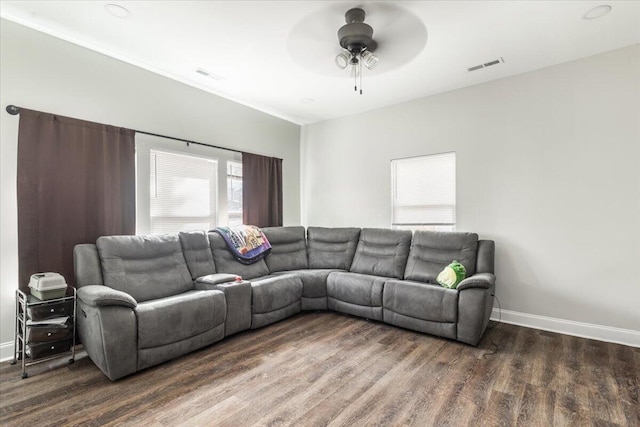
(234, 193)
(424, 190)
(183, 192)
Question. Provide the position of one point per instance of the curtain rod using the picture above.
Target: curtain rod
(14, 110)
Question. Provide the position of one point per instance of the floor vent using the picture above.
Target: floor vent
(486, 64)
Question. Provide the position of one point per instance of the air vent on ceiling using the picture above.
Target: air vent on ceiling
(206, 73)
(486, 64)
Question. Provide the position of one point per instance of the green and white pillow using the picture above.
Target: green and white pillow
(452, 275)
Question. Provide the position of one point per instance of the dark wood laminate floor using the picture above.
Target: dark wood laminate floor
(329, 369)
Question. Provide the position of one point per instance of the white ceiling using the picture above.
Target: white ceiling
(258, 47)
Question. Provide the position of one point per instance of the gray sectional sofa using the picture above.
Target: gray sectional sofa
(143, 300)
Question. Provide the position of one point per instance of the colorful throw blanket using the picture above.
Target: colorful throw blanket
(246, 242)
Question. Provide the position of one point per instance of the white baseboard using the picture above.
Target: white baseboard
(569, 327)
(6, 351)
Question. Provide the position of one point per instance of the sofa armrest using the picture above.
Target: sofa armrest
(101, 296)
(479, 280)
(206, 282)
(475, 300)
(109, 334)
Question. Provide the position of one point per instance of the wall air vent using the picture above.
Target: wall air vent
(486, 64)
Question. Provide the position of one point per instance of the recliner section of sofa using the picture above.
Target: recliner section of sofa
(329, 250)
(273, 297)
(146, 299)
(138, 306)
(294, 253)
(419, 303)
(379, 255)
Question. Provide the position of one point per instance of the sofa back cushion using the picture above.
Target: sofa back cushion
(331, 247)
(195, 247)
(145, 267)
(288, 249)
(382, 252)
(226, 263)
(432, 251)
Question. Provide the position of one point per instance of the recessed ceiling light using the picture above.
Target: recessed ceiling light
(597, 12)
(307, 100)
(117, 10)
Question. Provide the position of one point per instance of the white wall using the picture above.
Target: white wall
(548, 165)
(44, 73)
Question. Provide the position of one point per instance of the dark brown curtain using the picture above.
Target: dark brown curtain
(76, 182)
(261, 190)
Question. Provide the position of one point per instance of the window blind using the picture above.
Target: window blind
(424, 190)
(183, 192)
(234, 193)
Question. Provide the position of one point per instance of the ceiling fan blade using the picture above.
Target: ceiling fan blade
(401, 35)
(313, 42)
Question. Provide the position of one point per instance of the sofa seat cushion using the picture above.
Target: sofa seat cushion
(145, 267)
(314, 281)
(422, 301)
(178, 317)
(271, 293)
(355, 288)
(288, 248)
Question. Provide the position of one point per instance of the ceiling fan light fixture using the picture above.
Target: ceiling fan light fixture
(369, 59)
(342, 60)
(356, 38)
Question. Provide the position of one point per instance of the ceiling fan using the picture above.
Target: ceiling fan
(400, 36)
(356, 38)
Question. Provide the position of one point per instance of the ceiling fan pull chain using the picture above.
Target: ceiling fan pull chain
(355, 78)
(360, 70)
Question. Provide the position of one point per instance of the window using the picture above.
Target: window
(183, 192)
(183, 187)
(424, 192)
(234, 193)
